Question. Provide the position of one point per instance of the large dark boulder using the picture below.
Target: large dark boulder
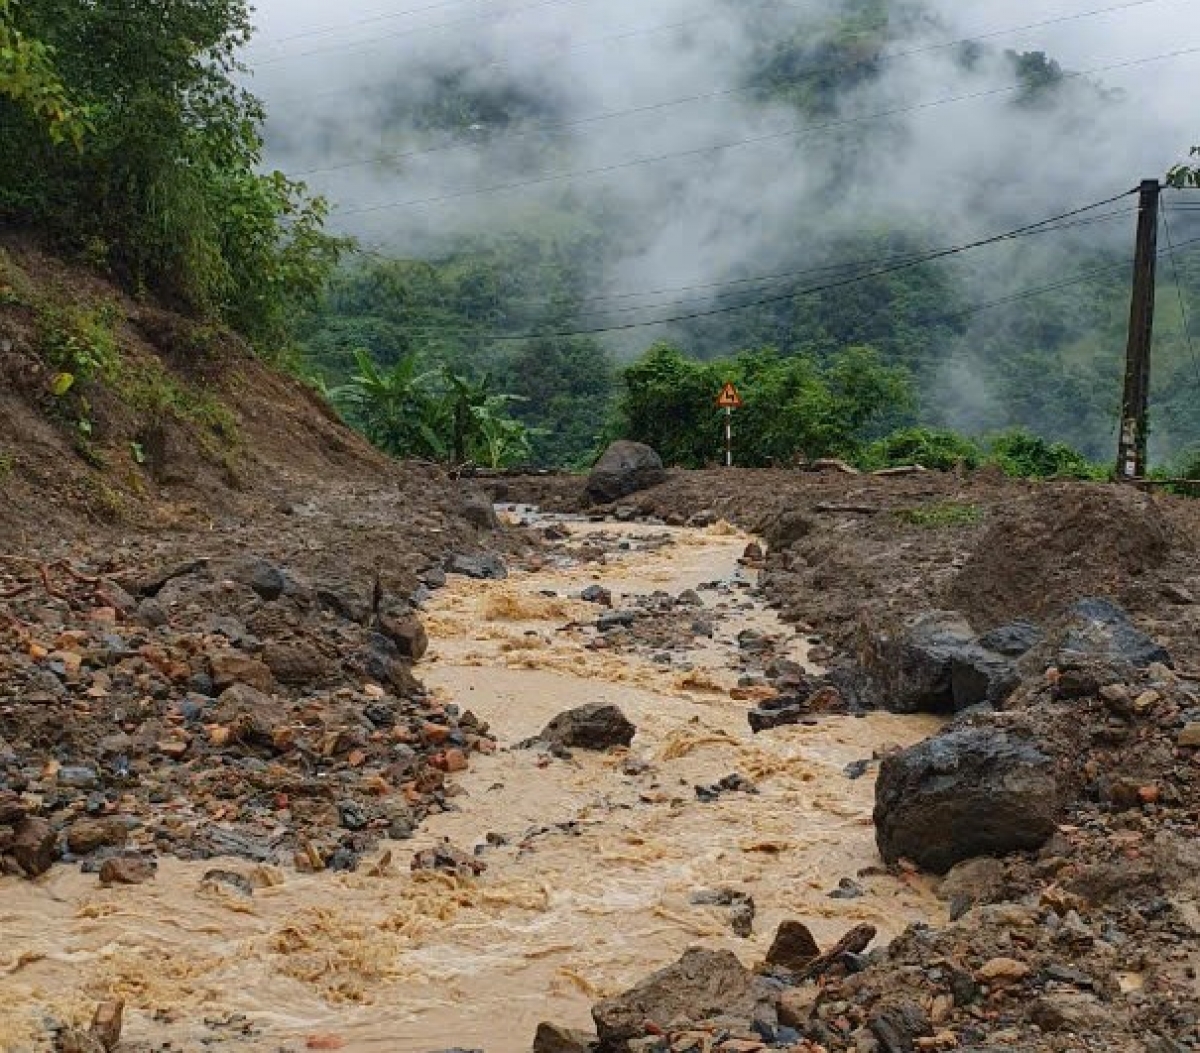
(1012, 640)
(486, 566)
(591, 727)
(931, 664)
(624, 468)
(703, 984)
(973, 792)
(1098, 628)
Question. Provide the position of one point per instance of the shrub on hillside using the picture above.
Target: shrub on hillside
(1023, 455)
(932, 448)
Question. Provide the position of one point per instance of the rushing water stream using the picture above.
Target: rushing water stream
(588, 883)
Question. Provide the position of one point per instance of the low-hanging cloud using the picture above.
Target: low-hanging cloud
(704, 180)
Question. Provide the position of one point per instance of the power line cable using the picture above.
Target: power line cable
(1017, 297)
(1183, 310)
(378, 41)
(500, 13)
(812, 290)
(777, 276)
(750, 141)
(722, 289)
(319, 31)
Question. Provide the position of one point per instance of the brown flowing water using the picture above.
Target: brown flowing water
(587, 890)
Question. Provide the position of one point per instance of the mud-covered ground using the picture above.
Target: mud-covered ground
(1091, 942)
(120, 643)
(994, 548)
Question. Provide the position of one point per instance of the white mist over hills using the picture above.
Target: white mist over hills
(634, 116)
(330, 81)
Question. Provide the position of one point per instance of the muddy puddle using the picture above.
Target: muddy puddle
(591, 862)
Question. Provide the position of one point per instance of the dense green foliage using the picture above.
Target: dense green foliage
(124, 134)
(434, 415)
(795, 407)
(29, 80)
(933, 448)
(445, 316)
(1027, 456)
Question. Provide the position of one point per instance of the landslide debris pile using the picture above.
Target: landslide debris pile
(1081, 929)
(992, 548)
(227, 706)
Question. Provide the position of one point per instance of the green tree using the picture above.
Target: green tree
(794, 406)
(395, 407)
(29, 79)
(165, 186)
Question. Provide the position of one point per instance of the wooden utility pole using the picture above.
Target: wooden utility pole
(1131, 452)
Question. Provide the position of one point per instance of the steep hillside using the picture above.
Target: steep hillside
(166, 420)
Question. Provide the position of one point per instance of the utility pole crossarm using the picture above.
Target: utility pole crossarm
(1131, 455)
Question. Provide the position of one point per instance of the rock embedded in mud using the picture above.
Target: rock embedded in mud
(550, 1038)
(596, 726)
(970, 882)
(1076, 1011)
(1012, 640)
(126, 870)
(297, 663)
(261, 575)
(596, 594)
(1189, 737)
(33, 846)
(107, 1022)
(408, 634)
(484, 567)
(624, 468)
(931, 663)
(87, 835)
(1098, 628)
(703, 984)
(898, 1025)
(445, 857)
(970, 792)
(249, 715)
(787, 528)
(794, 946)
(234, 667)
(478, 510)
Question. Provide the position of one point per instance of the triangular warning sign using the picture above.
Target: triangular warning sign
(729, 397)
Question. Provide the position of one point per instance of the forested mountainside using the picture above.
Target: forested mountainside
(803, 228)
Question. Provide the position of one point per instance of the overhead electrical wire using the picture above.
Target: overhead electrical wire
(319, 31)
(812, 290)
(724, 288)
(1183, 310)
(1020, 296)
(500, 12)
(1040, 290)
(738, 143)
(378, 41)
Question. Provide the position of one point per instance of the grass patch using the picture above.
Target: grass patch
(8, 464)
(151, 392)
(943, 514)
(80, 342)
(102, 500)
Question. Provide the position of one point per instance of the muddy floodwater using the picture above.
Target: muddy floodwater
(591, 862)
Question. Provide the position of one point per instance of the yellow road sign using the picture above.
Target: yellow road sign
(729, 397)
